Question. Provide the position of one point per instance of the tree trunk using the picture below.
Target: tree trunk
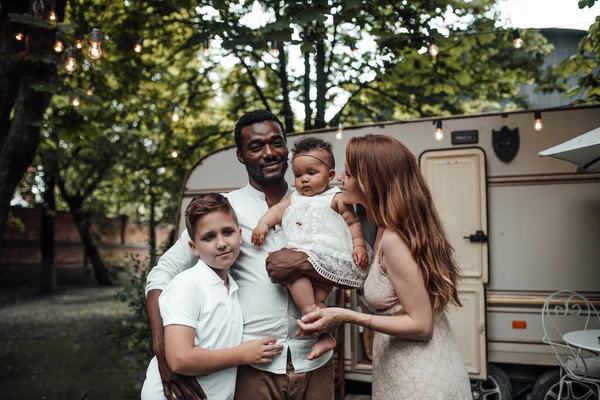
(20, 106)
(83, 222)
(152, 229)
(321, 85)
(48, 280)
(307, 108)
(285, 90)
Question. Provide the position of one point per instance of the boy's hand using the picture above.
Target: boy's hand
(360, 256)
(260, 351)
(258, 234)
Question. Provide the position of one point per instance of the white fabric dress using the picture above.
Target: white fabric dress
(312, 226)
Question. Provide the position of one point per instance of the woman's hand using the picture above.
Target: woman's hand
(323, 320)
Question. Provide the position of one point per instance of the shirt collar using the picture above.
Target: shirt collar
(209, 275)
(260, 195)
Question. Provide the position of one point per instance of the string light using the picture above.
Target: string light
(71, 64)
(90, 91)
(75, 102)
(340, 131)
(19, 36)
(38, 8)
(95, 51)
(52, 15)
(79, 41)
(175, 114)
(353, 47)
(175, 152)
(58, 43)
(517, 41)
(439, 133)
(139, 45)
(433, 48)
(275, 48)
(205, 44)
(538, 125)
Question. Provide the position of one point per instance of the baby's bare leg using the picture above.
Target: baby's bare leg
(326, 341)
(303, 294)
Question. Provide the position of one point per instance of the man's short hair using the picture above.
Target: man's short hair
(312, 143)
(203, 205)
(251, 118)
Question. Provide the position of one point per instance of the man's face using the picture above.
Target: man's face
(264, 152)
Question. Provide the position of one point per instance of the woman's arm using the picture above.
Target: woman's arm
(417, 321)
(185, 359)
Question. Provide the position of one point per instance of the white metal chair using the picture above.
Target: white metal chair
(561, 309)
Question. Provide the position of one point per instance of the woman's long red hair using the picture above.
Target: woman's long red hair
(398, 198)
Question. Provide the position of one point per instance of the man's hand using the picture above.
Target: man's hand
(179, 387)
(287, 265)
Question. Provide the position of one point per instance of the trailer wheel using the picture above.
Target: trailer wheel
(548, 385)
(496, 387)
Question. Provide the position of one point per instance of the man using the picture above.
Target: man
(268, 309)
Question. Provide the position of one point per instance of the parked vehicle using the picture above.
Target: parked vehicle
(522, 227)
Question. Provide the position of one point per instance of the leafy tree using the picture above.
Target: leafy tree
(584, 65)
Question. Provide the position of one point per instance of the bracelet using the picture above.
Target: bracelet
(371, 319)
(359, 245)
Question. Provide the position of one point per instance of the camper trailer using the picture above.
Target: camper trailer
(522, 227)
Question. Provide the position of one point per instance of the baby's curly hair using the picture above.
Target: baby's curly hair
(312, 143)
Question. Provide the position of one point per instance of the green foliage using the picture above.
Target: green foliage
(584, 66)
(133, 332)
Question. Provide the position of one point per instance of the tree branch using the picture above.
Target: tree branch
(253, 81)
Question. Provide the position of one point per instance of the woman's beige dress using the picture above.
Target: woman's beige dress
(409, 369)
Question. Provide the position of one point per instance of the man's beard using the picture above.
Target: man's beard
(259, 177)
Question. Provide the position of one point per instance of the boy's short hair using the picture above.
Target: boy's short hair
(205, 204)
(312, 143)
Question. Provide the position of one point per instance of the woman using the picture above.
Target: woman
(412, 281)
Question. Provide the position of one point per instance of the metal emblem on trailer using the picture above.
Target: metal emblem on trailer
(506, 143)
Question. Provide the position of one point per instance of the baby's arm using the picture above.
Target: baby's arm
(359, 252)
(272, 217)
(185, 359)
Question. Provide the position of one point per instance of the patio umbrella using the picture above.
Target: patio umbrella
(583, 150)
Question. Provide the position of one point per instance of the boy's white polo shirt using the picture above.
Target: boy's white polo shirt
(199, 299)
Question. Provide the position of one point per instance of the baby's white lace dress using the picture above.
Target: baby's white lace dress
(312, 226)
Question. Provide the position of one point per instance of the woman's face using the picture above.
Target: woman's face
(351, 193)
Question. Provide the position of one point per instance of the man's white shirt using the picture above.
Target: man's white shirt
(199, 299)
(267, 308)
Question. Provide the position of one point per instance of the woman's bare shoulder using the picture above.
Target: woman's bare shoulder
(391, 240)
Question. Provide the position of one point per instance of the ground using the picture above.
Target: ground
(57, 347)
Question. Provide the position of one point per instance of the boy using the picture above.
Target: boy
(200, 308)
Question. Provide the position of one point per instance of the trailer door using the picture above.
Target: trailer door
(457, 180)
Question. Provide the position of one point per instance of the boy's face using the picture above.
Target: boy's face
(311, 176)
(218, 239)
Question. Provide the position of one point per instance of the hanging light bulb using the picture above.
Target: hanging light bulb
(353, 47)
(433, 48)
(75, 102)
(37, 8)
(205, 44)
(175, 152)
(275, 47)
(58, 43)
(439, 133)
(90, 91)
(175, 114)
(71, 64)
(517, 41)
(19, 36)
(52, 15)
(340, 131)
(95, 51)
(538, 125)
(139, 45)
(79, 41)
